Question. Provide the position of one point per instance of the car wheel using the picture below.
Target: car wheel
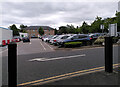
(89, 43)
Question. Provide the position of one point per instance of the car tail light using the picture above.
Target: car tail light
(90, 38)
(54, 40)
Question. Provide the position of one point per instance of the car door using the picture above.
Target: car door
(75, 38)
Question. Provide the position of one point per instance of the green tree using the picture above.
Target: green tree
(118, 20)
(56, 31)
(70, 28)
(84, 28)
(95, 26)
(22, 28)
(41, 31)
(15, 30)
(63, 29)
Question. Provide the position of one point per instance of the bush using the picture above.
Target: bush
(72, 44)
(99, 40)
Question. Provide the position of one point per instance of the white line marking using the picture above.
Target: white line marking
(43, 46)
(57, 58)
(49, 46)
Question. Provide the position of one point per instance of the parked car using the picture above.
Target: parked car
(47, 38)
(95, 35)
(85, 39)
(51, 40)
(17, 38)
(26, 39)
(43, 37)
(40, 37)
(59, 38)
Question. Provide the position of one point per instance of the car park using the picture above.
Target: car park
(26, 39)
(84, 38)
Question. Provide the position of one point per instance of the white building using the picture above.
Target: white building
(5, 34)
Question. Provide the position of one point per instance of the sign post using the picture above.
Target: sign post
(102, 27)
(109, 48)
(113, 30)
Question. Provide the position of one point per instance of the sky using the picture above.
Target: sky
(55, 13)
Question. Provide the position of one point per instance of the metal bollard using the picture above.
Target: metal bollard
(108, 55)
(12, 65)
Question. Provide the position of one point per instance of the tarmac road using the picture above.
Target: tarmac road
(32, 66)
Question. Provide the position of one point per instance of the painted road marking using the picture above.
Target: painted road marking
(49, 46)
(43, 46)
(64, 76)
(57, 58)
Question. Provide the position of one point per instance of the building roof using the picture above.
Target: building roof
(5, 28)
(37, 27)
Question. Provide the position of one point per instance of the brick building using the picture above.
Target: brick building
(33, 30)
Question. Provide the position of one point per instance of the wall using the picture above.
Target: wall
(46, 32)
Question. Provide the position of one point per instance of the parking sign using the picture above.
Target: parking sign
(113, 29)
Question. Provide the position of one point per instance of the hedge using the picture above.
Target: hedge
(73, 43)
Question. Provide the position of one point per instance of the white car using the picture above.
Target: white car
(51, 40)
(59, 38)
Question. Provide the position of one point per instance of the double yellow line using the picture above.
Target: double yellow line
(64, 76)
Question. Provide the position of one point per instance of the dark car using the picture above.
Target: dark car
(26, 39)
(85, 39)
(17, 38)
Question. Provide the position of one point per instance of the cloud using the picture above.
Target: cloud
(55, 14)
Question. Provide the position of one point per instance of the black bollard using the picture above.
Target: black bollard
(12, 65)
(108, 55)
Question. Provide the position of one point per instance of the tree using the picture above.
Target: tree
(15, 30)
(22, 28)
(56, 31)
(41, 31)
(95, 26)
(118, 20)
(70, 28)
(84, 28)
(63, 29)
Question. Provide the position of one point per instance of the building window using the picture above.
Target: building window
(33, 30)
